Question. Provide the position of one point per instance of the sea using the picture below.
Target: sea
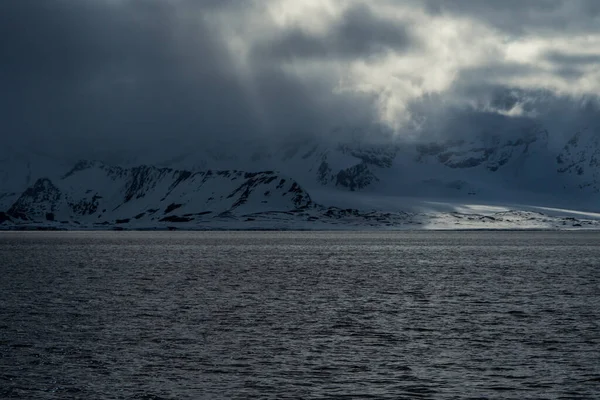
(300, 315)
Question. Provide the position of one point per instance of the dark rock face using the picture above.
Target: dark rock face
(174, 218)
(80, 166)
(379, 156)
(459, 154)
(323, 173)
(172, 207)
(368, 159)
(130, 191)
(4, 218)
(181, 177)
(255, 181)
(38, 200)
(356, 177)
(580, 158)
(139, 181)
(85, 206)
(491, 152)
(301, 197)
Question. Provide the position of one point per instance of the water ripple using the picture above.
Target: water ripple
(431, 315)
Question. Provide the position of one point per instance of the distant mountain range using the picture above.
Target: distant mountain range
(313, 183)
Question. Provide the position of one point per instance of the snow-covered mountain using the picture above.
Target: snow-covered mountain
(20, 169)
(579, 160)
(526, 165)
(313, 180)
(96, 194)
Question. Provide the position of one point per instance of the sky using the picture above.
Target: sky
(125, 74)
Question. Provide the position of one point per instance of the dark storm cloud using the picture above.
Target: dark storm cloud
(446, 121)
(160, 74)
(93, 67)
(126, 73)
(565, 59)
(485, 116)
(65, 41)
(504, 100)
(359, 33)
(494, 71)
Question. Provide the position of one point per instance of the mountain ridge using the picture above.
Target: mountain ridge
(98, 194)
(326, 176)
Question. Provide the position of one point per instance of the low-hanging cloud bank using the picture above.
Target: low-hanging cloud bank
(117, 73)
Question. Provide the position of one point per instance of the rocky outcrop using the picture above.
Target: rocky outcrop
(100, 194)
(491, 154)
(356, 177)
(580, 159)
(40, 199)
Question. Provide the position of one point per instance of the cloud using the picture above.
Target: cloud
(566, 59)
(127, 73)
(86, 74)
(519, 18)
(358, 33)
(90, 66)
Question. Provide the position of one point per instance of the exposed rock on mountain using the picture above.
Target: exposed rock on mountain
(96, 193)
(356, 177)
(382, 183)
(492, 155)
(580, 160)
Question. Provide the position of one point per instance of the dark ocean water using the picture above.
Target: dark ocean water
(119, 315)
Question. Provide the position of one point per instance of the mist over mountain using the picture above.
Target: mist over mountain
(366, 105)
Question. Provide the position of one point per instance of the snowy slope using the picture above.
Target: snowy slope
(516, 167)
(579, 163)
(19, 169)
(93, 195)
(96, 194)
(533, 179)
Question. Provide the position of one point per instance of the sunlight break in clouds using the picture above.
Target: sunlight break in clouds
(113, 72)
(445, 49)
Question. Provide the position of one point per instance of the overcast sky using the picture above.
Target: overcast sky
(120, 72)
